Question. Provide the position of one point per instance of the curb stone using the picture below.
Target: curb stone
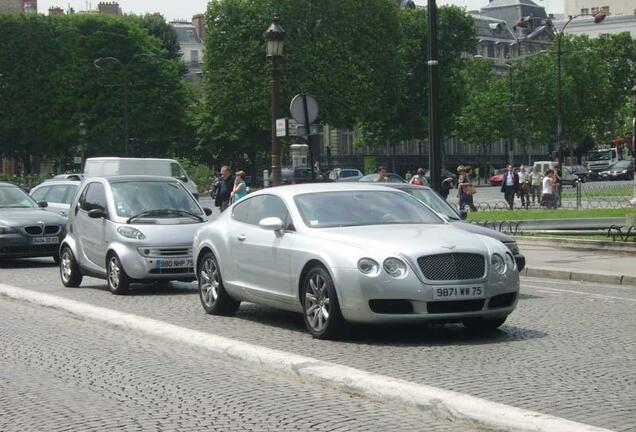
(440, 403)
(606, 278)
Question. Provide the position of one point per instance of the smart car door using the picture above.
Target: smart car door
(91, 231)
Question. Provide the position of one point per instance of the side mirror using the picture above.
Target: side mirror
(271, 224)
(207, 211)
(463, 214)
(97, 214)
(43, 204)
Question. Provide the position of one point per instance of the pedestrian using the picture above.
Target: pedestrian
(447, 185)
(408, 176)
(524, 187)
(510, 186)
(382, 174)
(418, 179)
(240, 188)
(548, 199)
(536, 183)
(226, 186)
(465, 190)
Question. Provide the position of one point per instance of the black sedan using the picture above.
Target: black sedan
(429, 197)
(622, 170)
(26, 229)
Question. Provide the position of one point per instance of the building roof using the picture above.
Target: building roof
(511, 10)
(509, 3)
(489, 28)
(186, 33)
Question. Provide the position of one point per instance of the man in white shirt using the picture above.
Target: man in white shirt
(510, 186)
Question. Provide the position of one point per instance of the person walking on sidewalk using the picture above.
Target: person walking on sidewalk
(536, 183)
(465, 190)
(524, 187)
(510, 186)
(548, 199)
(240, 188)
(226, 186)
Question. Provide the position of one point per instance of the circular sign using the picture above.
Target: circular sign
(297, 108)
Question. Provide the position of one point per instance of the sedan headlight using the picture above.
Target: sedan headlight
(498, 263)
(395, 267)
(510, 261)
(369, 267)
(130, 232)
(5, 229)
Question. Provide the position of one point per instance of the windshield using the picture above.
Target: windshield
(434, 201)
(357, 208)
(137, 197)
(600, 156)
(393, 178)
(12, 197)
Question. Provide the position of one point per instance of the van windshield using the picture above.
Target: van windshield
(161, 199)
(600, 156)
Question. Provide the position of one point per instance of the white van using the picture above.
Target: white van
(567, 177)
(115, 166)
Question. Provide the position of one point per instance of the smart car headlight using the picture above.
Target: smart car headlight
(130, 232)
(498, 263)
(395, 267)
(368, 267)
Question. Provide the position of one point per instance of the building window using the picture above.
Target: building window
(585, 11)
(605, 10)
(594, 10)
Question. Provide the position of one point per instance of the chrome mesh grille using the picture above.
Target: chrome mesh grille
(452, 266)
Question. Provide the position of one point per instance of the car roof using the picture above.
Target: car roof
(307, 188)
(7, 184)
(57, 182)
(131, 178)
(403, 186)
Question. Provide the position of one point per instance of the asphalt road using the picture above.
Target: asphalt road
(568, 350)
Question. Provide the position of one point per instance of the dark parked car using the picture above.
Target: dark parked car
(26, 229)
(580, 171)
(622, 170)
(429, 197)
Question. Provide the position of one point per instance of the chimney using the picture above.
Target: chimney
(56, 10)
(109, 8)
(198, 21)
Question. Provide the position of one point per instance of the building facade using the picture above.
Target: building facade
(191, 45)
(612, 24)
(18, 6)
(609, 7)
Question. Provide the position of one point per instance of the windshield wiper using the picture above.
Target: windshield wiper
(164, 212)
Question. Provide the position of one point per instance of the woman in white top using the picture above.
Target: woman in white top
(548, 198)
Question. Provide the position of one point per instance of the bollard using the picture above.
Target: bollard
(578, 195)
(266, 178)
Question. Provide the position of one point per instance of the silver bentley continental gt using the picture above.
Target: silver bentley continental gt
(344, 252)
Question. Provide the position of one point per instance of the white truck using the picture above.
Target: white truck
(115, 166)
(600, 160)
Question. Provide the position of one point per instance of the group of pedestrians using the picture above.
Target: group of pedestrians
(228, 188)
(536, 187)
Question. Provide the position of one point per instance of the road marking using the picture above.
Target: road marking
(567, 291)
(440, 403)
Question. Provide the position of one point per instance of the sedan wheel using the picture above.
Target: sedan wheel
(214, 299)
(321, 310)
(118, 280)
(69, 270)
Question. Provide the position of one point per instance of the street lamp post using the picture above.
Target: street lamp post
(125, 84)
(598, 18)
(275, 39)
(634, 139)
(434, 136)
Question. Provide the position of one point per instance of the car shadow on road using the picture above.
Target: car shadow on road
(149, 289)
(27, 263)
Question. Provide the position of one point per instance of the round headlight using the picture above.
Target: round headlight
(395, 267)
(130, 232)
(510, 261)
(368, 267)
(498, 263)
(5, 229)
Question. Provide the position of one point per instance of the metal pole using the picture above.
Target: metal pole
(308, 134)
(276, 174)
(509, 144)
(433, 100)
(125, 89)
(634, 149)
(558, 137)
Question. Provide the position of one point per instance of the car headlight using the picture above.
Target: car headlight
(624, 171)
(510, 261)
(512, 247)
(395, 267)
(131, 232)
(369, 267)
(498, 263)
(5, 229)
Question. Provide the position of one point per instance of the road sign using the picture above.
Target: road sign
(281, 127)
(297, 109)
(300, 130)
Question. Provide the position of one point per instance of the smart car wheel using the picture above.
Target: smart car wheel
(321, 310)
(118, 280)
(69, 270)
(214, 299)
(484, 325)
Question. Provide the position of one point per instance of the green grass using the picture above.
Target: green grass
(602, 237)
(507, 215)
(595, 193)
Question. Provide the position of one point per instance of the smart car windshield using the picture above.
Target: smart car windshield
(12, 197)
(154, 199)
(358, 208)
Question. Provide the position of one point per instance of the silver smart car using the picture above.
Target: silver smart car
(130, 228)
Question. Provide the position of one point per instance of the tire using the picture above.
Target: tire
(69, 269)
(484, 325)
(321, 310)
(214, 299)
(118, 280)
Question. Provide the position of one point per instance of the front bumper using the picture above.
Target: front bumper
(152, 266)
(18, 245)
(384, 299)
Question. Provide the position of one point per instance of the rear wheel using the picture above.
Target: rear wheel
(69, 269)
(118, 280)
(321, 310)
(214, 299)
(484, 325)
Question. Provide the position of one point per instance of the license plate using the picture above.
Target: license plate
(45, 240)
(174, 263)
(452, 293)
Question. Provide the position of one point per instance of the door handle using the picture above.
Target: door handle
(241, 237)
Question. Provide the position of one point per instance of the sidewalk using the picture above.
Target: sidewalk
(579, 265)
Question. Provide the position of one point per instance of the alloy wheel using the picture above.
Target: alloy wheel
(114, 272)
(66, 264)
(317, 303)
(209, 285)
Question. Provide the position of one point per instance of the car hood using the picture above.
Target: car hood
(25, 216)
(412, 240)
(477, 229)
(167, 234)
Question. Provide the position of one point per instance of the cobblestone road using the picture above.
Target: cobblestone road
(59, 373)
(569, 350)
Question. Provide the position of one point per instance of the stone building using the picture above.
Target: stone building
(191, 43)
(18, 6)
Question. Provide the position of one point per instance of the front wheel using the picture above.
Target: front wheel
(321, 310)
(484, 325)
(214, 299)
(118, 280)
(69, 269)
